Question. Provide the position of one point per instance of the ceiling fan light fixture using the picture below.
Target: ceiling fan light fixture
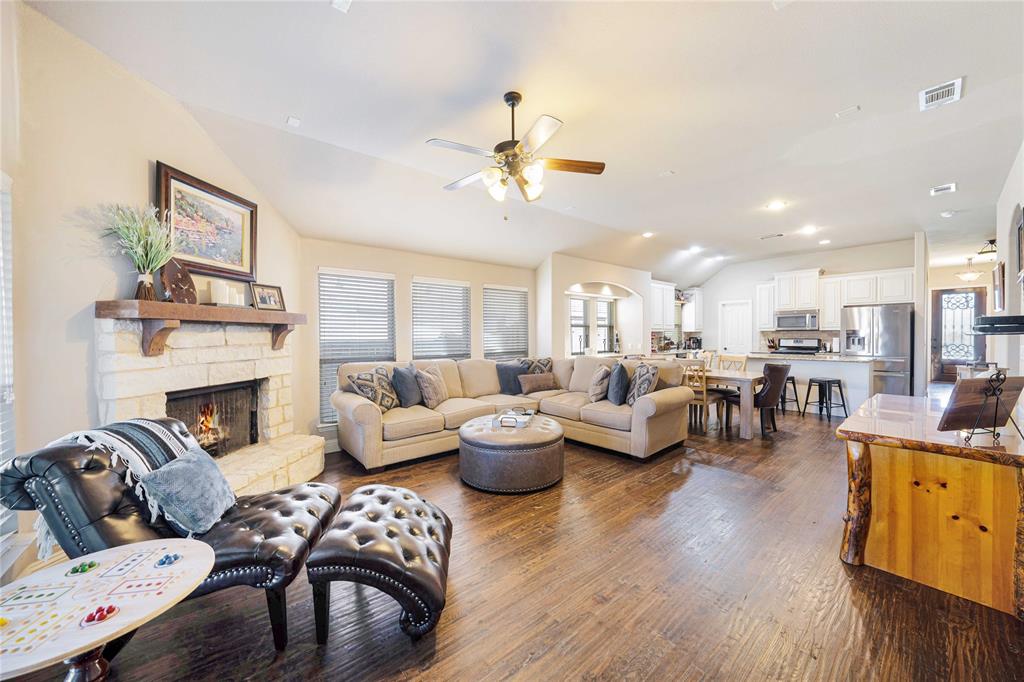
(498, 190)
(491, 176)
(533, 190)
(534, 172)
(989, 247)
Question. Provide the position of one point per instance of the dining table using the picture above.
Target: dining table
(746, 383)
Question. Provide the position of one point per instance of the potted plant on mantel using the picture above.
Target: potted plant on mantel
(146, 239)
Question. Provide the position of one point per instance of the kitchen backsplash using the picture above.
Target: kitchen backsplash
(824, 338)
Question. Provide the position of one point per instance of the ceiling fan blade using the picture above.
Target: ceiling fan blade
(573, 166)
(521, 181)
(539, 133)
(459, 147)
(468, 180)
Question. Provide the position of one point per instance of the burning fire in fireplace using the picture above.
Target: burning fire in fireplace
(207, 430)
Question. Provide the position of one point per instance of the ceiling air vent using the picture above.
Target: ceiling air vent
(948, 188)
(938, 95)
(770, 236)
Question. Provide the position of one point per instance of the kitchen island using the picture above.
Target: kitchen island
(856, 373)
(925, 505)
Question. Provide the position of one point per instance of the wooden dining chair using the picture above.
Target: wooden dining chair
(696, 378)
(733, 362)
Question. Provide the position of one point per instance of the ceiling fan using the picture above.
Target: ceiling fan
(515, 160)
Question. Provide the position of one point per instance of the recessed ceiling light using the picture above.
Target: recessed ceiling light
(666, 174)
(293, 122)
(775, 205)
(848, 111)
(341, 5)
(719, 257)
(825, 241)
(695, 249)
(947, 214)
(808, 229)
(647, 235)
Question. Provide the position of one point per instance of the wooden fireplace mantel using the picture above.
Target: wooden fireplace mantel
(160, 318)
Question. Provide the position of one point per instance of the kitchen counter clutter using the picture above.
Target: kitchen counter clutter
(925, 505)
(809, 357)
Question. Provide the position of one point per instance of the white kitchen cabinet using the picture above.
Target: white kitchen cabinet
(797, 290)
(860, 289)
(830, 297)
(765, 308)
(693, 310)
(663, 314)
(896, 286)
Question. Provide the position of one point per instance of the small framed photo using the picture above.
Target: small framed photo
(267, 297)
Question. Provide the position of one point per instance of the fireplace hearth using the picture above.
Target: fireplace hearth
(223, 418)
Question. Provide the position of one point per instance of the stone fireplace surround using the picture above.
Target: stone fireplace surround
(130, 384)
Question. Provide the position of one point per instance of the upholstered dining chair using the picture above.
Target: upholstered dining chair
(767, 397)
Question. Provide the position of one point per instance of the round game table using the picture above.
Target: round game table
(55, 614)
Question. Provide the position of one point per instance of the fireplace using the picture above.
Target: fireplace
(222, 418)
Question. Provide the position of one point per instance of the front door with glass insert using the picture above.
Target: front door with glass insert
(953, 343)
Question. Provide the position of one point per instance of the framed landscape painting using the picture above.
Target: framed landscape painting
(217, 228)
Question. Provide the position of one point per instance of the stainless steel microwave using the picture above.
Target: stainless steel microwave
(796, 320)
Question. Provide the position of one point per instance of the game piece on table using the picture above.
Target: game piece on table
(100, 614)
(3, 621)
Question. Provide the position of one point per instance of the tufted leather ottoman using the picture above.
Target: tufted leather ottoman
(504, 459)
(391, 539)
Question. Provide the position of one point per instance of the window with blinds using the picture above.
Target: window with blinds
(605, 318)
(8, 519)
(357, 324)
(506, 324)
(579, 326)
(440, 320)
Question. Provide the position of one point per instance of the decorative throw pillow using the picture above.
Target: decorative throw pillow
(599, 383)
(404, 381)
(432, 386)
(645, 378)
(190, 492)
(508, 376)
(531, 383)
(618, 384)
(538, 365)
(376, 387)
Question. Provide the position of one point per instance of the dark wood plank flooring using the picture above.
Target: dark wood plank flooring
(717, 561)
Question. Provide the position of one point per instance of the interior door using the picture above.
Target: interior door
(953, 344)
(735, 327)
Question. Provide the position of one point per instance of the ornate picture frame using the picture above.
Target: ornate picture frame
(218, 228)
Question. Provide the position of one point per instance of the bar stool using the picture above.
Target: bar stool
(825, 386)
(784, 398)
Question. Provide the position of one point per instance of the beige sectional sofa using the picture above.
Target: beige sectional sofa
(653, 423)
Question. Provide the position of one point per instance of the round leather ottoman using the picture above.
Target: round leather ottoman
(505, 459)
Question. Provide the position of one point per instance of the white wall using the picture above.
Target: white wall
(1008, 348)
(90, 133)
(404, 265)
(921, 303)
(736, 281)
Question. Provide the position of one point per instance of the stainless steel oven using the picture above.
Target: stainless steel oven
(797, 320)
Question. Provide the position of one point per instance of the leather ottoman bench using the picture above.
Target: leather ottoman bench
(391, 539)
(508, 459)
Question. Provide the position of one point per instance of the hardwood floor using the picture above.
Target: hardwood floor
(717, 561)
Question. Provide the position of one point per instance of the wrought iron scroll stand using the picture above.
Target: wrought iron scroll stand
(993, 390)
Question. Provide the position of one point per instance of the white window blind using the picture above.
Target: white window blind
(8, 519)
(605, 314)
(440, 320)
(506, 324)
(357, 324)
(579, 326)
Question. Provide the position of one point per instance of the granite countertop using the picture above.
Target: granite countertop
(817, 357)
(911, 422)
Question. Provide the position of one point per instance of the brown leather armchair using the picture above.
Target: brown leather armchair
(767, 397)
(262, 541)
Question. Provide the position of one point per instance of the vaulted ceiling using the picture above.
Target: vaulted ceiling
(703, 112)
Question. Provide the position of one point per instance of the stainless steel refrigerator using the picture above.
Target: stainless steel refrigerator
(885, 333)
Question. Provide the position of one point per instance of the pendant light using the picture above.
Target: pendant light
(970, 274)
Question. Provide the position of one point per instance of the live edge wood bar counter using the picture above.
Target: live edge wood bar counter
(927, 506)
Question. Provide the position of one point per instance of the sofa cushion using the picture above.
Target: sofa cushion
(583, 371)
(644, 381)
(449, 372)
(540, 395)
(406, 422)
(604, 413)
(618, 385)
(457, 411)
(538, 365)
(562, 369)
(531, 383)
(479, 377)
(598, 389)
(508, 376)
(406, 386)
(376, 387)
(502, 401)
(566, 405)
(432, 386)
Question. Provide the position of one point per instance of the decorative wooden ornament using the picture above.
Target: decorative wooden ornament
(178, 283)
